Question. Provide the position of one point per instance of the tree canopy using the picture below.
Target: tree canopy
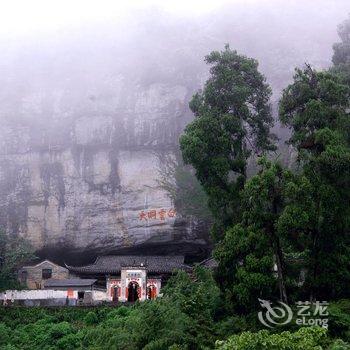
(232, 121)
(14, 252)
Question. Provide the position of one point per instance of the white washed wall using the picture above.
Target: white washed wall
(99, 295)
(34, 294)
(40, 294)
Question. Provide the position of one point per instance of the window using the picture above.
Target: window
(46, 274)
(23, 276)
(80, 300)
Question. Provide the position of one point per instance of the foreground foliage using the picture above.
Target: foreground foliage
(303, 339)
(179, 321)
(182, 319)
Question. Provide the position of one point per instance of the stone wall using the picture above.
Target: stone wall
(34, 277)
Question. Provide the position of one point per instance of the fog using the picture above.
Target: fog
(94, 95)
(62, 58)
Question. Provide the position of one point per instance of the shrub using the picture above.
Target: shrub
(339, 345)
(91, 318)
(311, 338)
(339, 320)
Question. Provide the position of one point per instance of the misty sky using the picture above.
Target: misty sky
(79, 51)
(23, 18)
(31, 18)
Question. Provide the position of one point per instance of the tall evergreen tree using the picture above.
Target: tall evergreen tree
(232, 120)
(316, 109)
(251, 249)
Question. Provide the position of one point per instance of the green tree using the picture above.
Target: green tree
(198, 297)
(314, 101)
(14, 251)
(245, 268)
(263, 199)
(232, 120)
(252, 248)
(315, 107)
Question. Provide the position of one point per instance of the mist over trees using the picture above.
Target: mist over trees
(295, 223)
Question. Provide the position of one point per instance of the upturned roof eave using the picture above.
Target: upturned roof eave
(107, 271)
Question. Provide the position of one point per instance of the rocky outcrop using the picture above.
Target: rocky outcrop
(89, 112)
(85, 180)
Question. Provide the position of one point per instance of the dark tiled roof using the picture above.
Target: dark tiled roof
(70, 282)
(46, 261)
(210, 263)
(114, 264)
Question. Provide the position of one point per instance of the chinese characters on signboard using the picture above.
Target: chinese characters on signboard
(156, 214)
(133, 275)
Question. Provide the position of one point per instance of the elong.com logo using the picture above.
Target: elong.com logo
(308, 314)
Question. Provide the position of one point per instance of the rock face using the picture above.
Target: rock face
(88, 113)
(85, 179)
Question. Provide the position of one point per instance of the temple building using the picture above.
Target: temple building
(110, 279)
(130, 277)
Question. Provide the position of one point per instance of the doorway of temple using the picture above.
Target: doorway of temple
(115, 293)
(151, 292)
(133, 291)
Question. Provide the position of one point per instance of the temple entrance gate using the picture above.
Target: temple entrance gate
(133, 291)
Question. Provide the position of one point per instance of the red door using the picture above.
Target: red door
(115, 293)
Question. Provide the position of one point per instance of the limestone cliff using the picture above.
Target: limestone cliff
(86, 179)
(89, 112)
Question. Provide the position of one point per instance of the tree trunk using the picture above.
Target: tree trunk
(275, 243)
(314, 262)
(280, 274)
(279, 257)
